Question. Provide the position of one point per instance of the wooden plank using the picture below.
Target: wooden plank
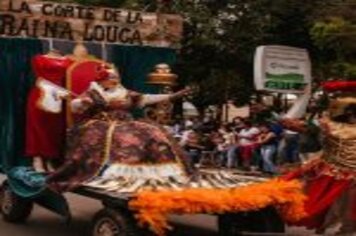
(37, 19)
(101, 194)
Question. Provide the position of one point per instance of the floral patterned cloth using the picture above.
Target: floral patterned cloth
(109, 136)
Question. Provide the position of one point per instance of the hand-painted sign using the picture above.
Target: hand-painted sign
(37, 19)
(281, 69)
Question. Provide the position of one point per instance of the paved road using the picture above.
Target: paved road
(45, 223)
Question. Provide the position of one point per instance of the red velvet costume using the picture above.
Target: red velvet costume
(45, 131)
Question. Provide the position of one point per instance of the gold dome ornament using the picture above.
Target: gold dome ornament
(162, 76)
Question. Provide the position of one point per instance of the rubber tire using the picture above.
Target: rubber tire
(122, 223)
(14, 208)
(266, 220)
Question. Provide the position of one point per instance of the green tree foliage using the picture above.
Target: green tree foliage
(334, 34)
(220, 37)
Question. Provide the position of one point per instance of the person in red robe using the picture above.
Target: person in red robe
(45, 131)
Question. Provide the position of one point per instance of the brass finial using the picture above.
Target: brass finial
(162, 75)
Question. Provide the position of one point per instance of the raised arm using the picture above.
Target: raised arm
(150, 99)
(299, 108)
(291, 120)
(294, 124)
(262, 139)
(94, 96)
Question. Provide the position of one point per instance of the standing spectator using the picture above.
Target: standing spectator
(188, 122)
(227, 134)
(178, 126)
(185, 134)
(278, 130)
(208, 125)
(220, 149)
(227, 147)
(260, 112)
(197, 123)
(289, 147)
(247, 142)
(169, 128)
(232, 154)
(268, 141)
(310, 140)
(193, 147)
(237, 124)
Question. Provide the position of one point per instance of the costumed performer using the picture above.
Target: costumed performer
(330, 177)
(108, 149)
(45, 131)
(107, 144)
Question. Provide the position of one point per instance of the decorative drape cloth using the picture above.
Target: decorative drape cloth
(330, 176)
(16, 79)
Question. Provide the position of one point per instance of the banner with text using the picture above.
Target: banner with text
(37, 19)
(282, 69)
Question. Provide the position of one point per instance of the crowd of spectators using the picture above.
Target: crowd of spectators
(256, 143)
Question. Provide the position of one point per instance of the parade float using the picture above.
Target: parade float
(132, 166)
